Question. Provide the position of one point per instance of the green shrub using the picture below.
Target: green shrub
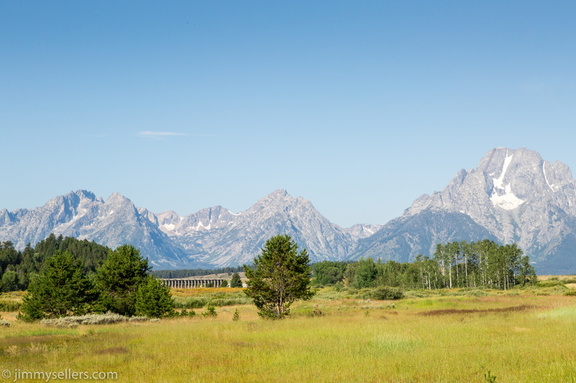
(387, 293)
(210, 312)
(190, 303)
(550, 283)
(10, 306)
(236, 316)
(217, 299)
(186, 313)
(570, 293)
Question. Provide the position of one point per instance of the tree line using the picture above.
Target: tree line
(482, 264)
(18, 268)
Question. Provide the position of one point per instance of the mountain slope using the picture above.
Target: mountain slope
(223, 238)
(512, 196)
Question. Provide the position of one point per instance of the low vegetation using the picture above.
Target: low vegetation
(341, 334)
(90, 319)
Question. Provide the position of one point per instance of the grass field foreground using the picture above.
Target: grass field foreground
(443, 338)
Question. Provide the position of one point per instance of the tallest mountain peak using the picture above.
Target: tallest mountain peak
(279, 193)
(513, 196)
(276, 196)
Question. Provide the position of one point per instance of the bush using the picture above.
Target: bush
(210, 312)
(217, 299)
(186, 313)
(190, 303)
(338, 286)
(570, 293)
(550, 283)
(386, 293)
(108, 318)
(10, 306)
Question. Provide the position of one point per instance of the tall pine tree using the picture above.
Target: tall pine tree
(60, 289)
(119, 278)
(280, 276)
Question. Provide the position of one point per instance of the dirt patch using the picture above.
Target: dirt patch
(112, 351)
(39, 339)
(476, 311)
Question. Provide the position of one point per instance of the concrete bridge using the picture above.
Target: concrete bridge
(189, 283)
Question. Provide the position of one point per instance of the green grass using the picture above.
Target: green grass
(520, 337)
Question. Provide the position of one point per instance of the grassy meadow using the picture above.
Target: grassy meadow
(430, 336)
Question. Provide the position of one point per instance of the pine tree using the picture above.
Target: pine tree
(153, 299)
(60, 289)
(235, 281)
(280, 276)
(119, 278)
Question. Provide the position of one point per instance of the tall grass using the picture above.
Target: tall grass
(431, 339)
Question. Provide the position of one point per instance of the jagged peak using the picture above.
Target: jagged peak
(493, 159)
(72, 197)
(85, 194)
(279, 193)
(117, 197)
(117, 200)
(277, 196)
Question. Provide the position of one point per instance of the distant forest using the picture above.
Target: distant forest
(482, 264)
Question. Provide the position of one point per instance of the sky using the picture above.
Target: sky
(357, 106)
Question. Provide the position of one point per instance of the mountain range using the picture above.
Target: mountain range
(512, 196)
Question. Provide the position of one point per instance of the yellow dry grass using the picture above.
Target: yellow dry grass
(515, 338)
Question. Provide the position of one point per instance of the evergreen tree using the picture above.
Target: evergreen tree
(235, 281)
(279, 277)
(119, 278)
(60, 289)
(153, 299)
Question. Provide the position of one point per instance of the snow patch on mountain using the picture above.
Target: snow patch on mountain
(502, 195)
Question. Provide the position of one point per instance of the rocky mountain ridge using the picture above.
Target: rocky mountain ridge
(211, 237)
(512, 196)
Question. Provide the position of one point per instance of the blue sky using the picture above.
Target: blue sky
(357, 106)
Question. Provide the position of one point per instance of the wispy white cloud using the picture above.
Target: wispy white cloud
(159, 135)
